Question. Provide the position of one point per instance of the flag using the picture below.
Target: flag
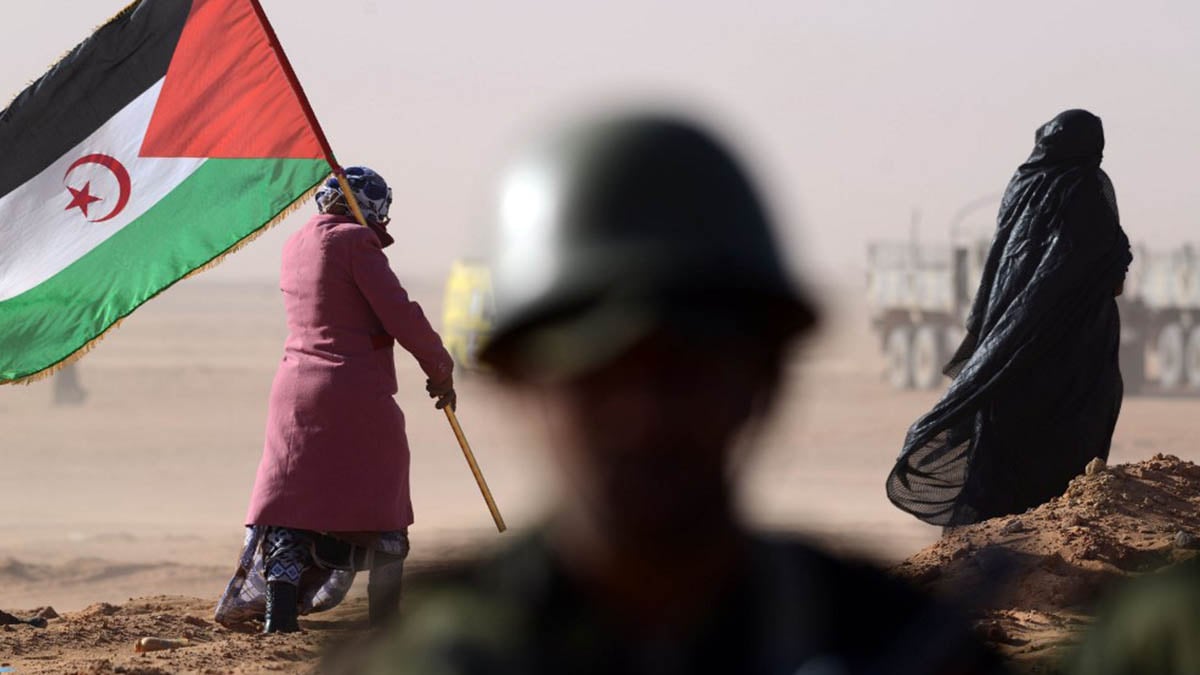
(168, 138)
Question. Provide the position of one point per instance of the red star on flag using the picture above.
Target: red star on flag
(81, 198)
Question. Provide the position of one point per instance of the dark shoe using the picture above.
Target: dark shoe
(383, 604)
(282, 605)
(383, 590)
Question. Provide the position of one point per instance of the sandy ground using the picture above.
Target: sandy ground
(141, 491)
(1036, 580)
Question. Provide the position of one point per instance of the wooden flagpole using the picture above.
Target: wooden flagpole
(358, 215)
(479, 479)
(453, 419)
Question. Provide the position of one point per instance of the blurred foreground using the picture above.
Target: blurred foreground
(141, 490)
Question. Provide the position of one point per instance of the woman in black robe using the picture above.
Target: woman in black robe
(1036, 389)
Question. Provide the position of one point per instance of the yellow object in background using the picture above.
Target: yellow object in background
(468, 311)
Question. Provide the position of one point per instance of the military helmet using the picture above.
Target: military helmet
(618, 227)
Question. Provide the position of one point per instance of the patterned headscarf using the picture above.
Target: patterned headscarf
(370, 190)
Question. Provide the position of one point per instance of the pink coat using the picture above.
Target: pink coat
(336, 457)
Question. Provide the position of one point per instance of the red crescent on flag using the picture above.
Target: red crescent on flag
(118, 170)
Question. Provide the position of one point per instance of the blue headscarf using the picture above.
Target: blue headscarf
(370, 190)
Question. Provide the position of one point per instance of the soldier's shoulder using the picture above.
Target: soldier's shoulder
(508, 612)
(855, 596)
(470, 616)
(869, 616)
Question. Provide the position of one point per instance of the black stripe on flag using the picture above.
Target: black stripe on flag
(95, 81)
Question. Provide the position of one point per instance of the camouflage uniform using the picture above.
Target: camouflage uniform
(791, 610)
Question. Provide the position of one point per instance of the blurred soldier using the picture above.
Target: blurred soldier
(332, 492)
(643, 306)
(1037, 389)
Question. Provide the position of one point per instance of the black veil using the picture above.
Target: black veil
(1036, 388)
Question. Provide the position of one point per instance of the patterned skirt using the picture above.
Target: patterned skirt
(323, 567)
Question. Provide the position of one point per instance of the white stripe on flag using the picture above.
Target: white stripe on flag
(41, 234)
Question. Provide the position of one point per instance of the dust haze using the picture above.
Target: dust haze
(854, 114)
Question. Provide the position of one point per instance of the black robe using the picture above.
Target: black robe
(1037, 389)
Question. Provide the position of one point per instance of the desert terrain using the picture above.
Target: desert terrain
(124, 514)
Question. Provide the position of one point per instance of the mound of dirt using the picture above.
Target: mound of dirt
(1036, 578)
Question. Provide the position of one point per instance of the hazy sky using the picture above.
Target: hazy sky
(852, 113)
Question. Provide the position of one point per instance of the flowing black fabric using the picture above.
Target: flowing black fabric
(1037, 389)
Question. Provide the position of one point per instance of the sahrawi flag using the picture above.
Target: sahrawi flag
(174, 133)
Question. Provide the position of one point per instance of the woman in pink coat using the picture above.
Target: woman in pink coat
(332, 491)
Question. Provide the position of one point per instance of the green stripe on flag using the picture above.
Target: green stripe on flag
(220, 204)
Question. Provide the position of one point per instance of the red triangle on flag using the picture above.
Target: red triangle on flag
(228, 95)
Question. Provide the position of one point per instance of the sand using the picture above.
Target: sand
(1035, 579)
(101, 639)
(141, 491)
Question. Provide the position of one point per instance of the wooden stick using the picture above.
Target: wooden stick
(483, 486)
(458, 432)
(356, 211)
(351, 200)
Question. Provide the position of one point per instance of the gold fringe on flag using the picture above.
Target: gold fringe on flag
(296, 205)
(241, 243)
(82, 351)
(115, 17)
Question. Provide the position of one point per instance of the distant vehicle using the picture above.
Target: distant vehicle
(919, 297)
(468, 311)
(1165, 308)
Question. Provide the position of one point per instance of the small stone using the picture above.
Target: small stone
(1094, 467)
(1183, 540)
(1013, 527)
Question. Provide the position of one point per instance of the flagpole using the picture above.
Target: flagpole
(479, 479)
(450, 416)
(351, 200)
(356, 211)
